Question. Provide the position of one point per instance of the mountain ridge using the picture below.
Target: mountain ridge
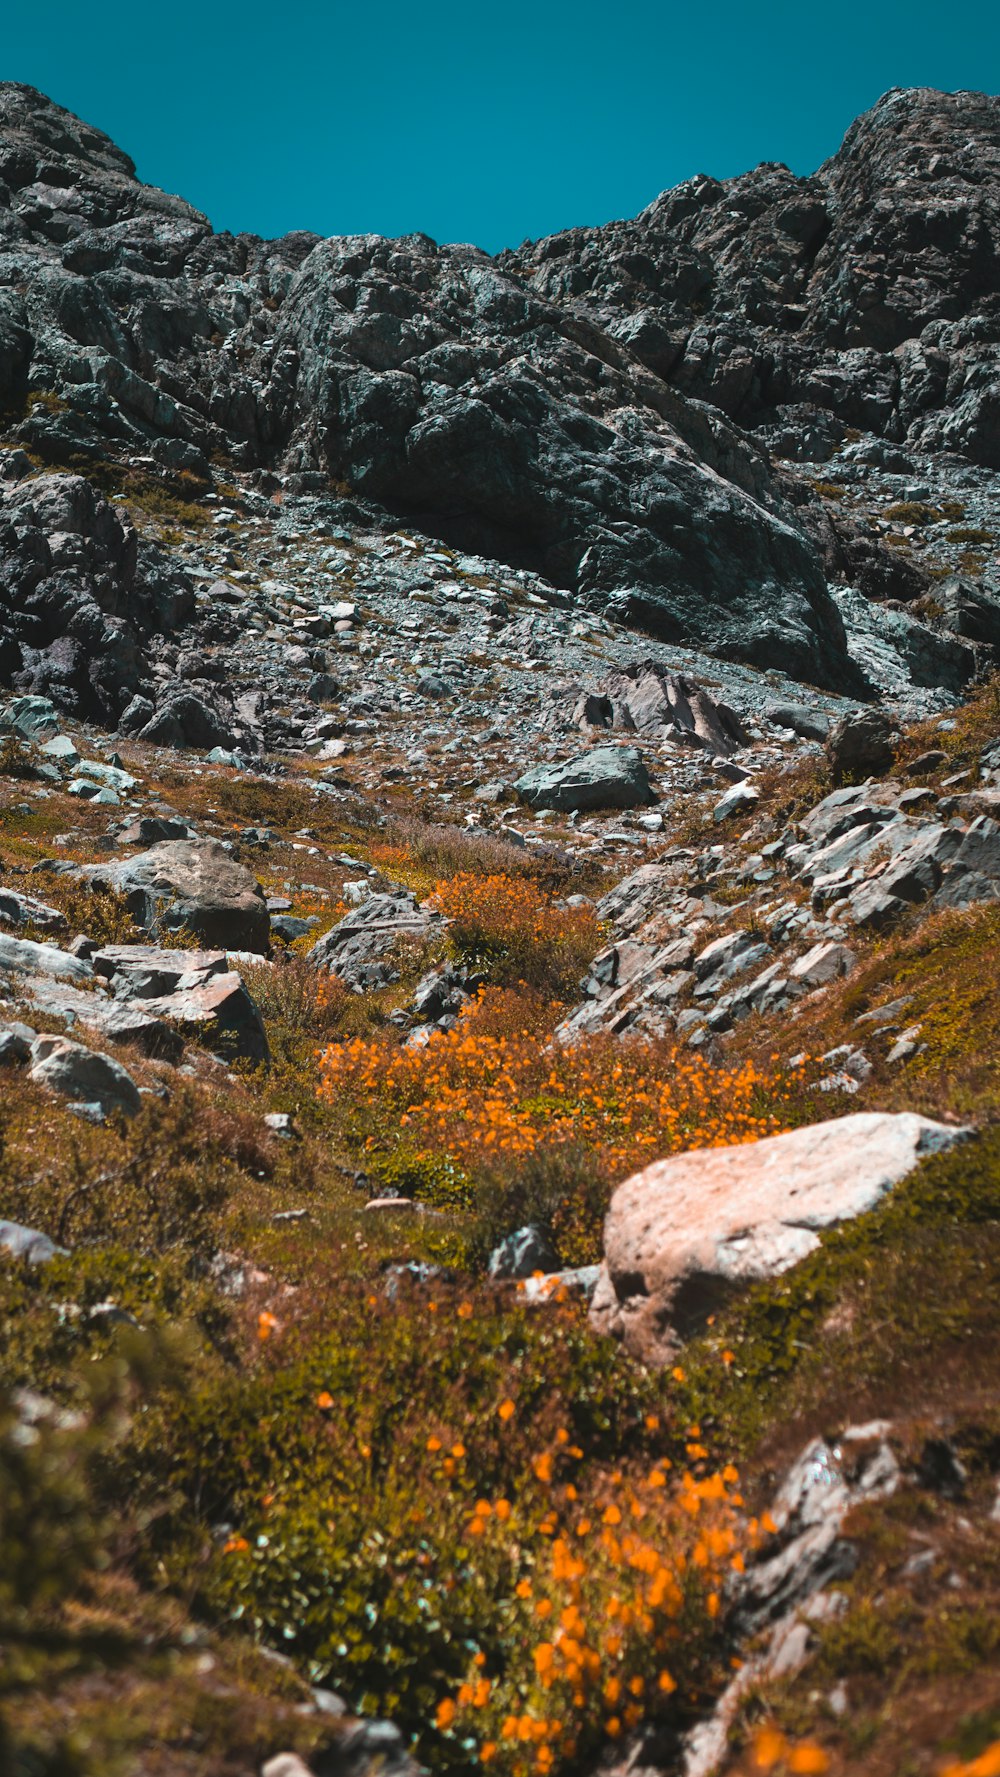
(613, 420)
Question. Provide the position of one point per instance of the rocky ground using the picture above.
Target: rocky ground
(499, 883)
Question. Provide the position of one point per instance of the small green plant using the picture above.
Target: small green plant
(48, 400)
(99, 912)
(564, 1191)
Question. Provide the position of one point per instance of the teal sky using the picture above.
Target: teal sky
(473, 122)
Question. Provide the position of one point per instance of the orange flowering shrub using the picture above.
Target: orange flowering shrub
(508, 929)
(487, 1087)
(397, 861)
(986, 1765)
(470, 1516)
(772, 1750)
(615, 1585)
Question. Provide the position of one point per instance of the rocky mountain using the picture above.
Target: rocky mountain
(866, 296)
(597, 409)
(499, 1100)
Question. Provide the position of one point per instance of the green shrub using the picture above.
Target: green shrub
(435, 1179)
(99, 912)
(323, 1499)
(15, 759)
(286, 805)
(563, 1190)
(970, 534)
(162, 1183)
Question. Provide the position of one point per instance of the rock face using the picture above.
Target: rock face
(192, 883)
(865, 296)
(606, 777)
(436, 383)
(79, 595)
(680, 1235)
(535, 408)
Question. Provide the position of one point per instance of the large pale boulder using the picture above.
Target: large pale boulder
(680, 1235)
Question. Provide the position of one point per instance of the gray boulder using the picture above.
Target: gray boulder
(34, 717)
(861, 744)
(218, 1010)
(523, 1253)
(968, 611)
(21, 910)
(14, 1048)
(646, 695)
(740, 799)
(83, 1075)
(151, 829)
(359, 949)
(808, 723)
(193, 884)
(606, 777)
(27, 1243)
(909, 878)
(21, 956)
(136, 1027)
(187, 720)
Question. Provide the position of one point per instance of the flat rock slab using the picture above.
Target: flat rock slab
(20, 956)
(145, 971)
(680, 1235)
(606, 777)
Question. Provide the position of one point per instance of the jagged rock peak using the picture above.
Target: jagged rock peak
(52, 161)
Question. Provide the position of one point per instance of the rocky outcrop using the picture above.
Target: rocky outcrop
(682, 1234)
(79, 596)
(433, 379)
(866, 296)
(435, 383)
(362, 948)
(164, 995)
(547, 409)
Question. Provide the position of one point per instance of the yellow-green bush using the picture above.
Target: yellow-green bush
(331, 1498)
